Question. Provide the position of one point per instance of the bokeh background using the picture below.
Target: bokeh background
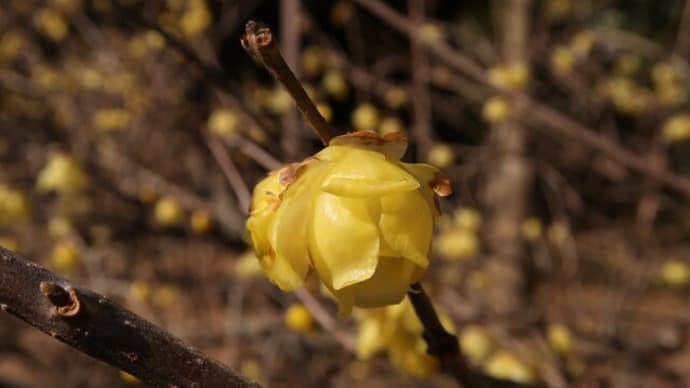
(131, 133)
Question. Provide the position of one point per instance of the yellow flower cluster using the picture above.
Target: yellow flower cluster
(481, 349)
(354, 213)
(397, 330)
(564, 58)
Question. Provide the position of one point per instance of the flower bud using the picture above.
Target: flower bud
(353, 213)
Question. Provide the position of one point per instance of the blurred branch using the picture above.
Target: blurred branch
(682, 48)
(97, 326)
(233, 176)
(508, 182)
(324, 319)
(132, 177)
(291, 139)
(421, 107)
(533, 111)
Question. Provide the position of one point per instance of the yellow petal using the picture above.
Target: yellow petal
(361, 173)
(289, 241)
(256, 233)
(425, 174)
(406, 227)
(388, 285)
(392, 145)
(266, 193)
(281, 272)
(344, 240)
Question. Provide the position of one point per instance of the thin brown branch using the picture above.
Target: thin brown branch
(289, 45)
(232, 175)
(444, 346)
(324, 319)
(138, 176)
(441, 344)
(421, 103)
(99, 327)
(258, 154)
(259, 42)
(533, 111)
(682, 48)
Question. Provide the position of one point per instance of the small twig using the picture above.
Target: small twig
(324, 319)
(258, 154)
(534, 111)
(230, 172)
(259, 43)
(682, 48)
(99, 327)
(441, 344)
(421, 105)
(444, 346)
(291, 140)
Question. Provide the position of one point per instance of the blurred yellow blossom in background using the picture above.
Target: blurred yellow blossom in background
(63, 174)
(397, 331)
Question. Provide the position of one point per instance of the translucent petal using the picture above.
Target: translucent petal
(406, 226)
(344, 239)
(388, 285)
(289, 240)
(332, 153)
(265, 192)
(256, 233)
(281, 272)
(362, 173)
(425, 174)
(392, 145)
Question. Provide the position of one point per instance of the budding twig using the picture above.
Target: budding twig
(441, 344)
(259, 43)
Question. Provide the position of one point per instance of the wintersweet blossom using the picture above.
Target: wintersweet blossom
(354, 213)
(397, 331)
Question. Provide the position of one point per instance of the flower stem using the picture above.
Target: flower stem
(441, 344)
(259, 43)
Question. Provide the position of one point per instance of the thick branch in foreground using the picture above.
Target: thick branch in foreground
(99, 327)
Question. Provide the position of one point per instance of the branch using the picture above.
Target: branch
(444, 346)
(259, 43)
(682, 47)
(533, 110)
(97, 326)
(421, 103)
(290, 14)
(441, 344)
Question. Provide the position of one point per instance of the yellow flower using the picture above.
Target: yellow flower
(299, 319)
(506, 366)
(560, 338)
(353, 213)
(168, 212)
(396, 330)
(63, 174)
(14, 205)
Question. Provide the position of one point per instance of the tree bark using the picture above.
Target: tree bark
(99, 327)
